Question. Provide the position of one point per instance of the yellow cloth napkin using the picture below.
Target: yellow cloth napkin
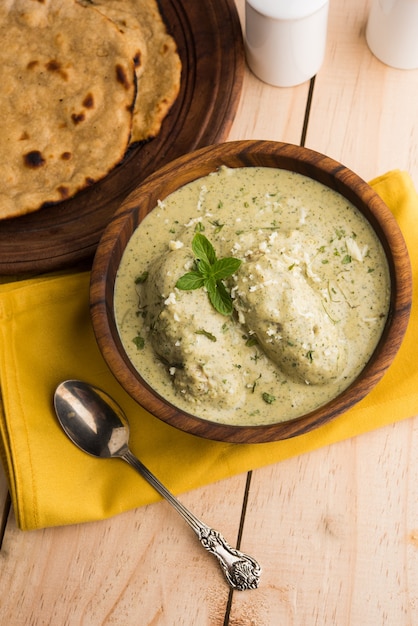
(46, 336)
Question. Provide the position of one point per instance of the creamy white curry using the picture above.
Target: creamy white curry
(310, 298)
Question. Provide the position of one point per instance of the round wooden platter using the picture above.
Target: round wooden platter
(209, 40)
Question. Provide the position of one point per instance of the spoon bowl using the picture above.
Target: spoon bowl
(95, 423)
(91, 419)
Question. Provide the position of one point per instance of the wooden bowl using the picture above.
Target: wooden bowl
(243, 154)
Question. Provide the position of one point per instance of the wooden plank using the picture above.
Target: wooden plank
(267, 112)
(141, 567)
(337, 534)
(270, 113)
(364, 113)
(336, 530)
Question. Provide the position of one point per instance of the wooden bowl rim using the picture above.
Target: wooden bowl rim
(240, 154)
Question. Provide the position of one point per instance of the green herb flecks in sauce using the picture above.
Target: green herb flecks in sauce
(284, 328)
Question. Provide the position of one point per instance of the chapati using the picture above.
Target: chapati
(67, 91)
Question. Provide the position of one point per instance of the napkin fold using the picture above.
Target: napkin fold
(46, 336)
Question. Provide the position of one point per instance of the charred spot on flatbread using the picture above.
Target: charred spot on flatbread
(33, 159)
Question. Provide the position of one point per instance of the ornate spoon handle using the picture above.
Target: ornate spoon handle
(241, 571)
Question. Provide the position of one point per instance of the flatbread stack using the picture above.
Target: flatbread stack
(158, 69)
(80, 81)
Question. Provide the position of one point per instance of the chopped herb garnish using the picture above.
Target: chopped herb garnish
(255, 384)
(346, 259)
(218, 226)
(209, 272)
(139, 342)
(206, 333)
(268, 398)
(141, 278)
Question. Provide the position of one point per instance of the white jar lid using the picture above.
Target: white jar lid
(285, 9)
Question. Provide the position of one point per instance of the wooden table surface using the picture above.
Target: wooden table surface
(336, 530)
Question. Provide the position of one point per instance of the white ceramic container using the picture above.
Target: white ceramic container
(285, 40)
(392, 32)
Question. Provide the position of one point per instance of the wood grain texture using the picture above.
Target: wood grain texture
(242, 154)
(266, 112)
(209, 41)
(364, 113)
(145, 567)
(336, 530)
(343, 526)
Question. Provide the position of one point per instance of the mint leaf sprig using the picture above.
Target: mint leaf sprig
(209, 272)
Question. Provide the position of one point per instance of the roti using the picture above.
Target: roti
(68, 88)
(157, 63)
(81, 81)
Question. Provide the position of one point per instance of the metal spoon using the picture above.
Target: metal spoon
(97, 425)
